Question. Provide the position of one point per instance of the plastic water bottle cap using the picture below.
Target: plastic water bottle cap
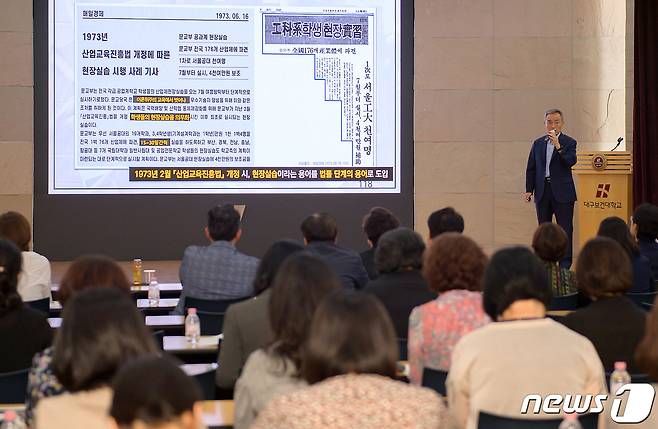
(154, 282)
(191, 311)
(571, 416)
(620, 366)
(10, 416)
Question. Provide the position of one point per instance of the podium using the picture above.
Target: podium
(604, 189)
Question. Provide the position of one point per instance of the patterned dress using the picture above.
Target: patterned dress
(435, 328)
(41, 383)
(363, 401)
(563, 281)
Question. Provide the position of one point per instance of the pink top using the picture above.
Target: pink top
(363, 401)
(435, 328)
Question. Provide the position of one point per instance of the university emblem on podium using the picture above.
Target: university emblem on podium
(599, 162)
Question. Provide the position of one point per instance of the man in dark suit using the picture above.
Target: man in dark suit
(320, 231)
(375, 223)
(548, 176)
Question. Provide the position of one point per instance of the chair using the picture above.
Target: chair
(435, 379)
(564, 302)
(642, 298)
(206, 381)
(42, 305)
(13, 386)
(212, 305)
(402, 344)
(211, 323)
(490, 421)
(158, 336)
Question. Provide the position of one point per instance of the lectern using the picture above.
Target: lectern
(604, 189)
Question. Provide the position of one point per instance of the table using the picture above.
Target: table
(193, 369)
(559, 313)
(165, 322)
(165, 305)
(167, 290)
(218, 414)
(178, 344)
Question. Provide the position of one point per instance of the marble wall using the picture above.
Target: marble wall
(485, 71)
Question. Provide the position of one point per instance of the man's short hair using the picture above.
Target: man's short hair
(445, 220)
(319, 227)
(377, 222)
(223, 222)
(551, 111)
(399, 249)
(646, 219)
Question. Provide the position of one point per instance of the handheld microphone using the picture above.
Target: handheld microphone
(547, 138)
(619, 140)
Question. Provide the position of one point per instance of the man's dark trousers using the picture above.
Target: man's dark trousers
(563, 212)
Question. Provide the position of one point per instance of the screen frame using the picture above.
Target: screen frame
(159, 226)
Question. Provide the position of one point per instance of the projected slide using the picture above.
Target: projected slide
(214, 97)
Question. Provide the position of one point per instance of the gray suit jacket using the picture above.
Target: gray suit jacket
(246, 329)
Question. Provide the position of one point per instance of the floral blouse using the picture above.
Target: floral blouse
(435, 328)
(41, 383)
(363, 401)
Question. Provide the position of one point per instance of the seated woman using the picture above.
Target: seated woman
(453, 268)
(644, 227)
(247, 324)
(85, 272)
(34, 281)
(400, 285)
(350, 359)
(299, 287)
(616, 229)
(646, 357)
(23, 331)
(153, 393)
(550, 245)
(612, 322)
(101, 330)
(539, 354)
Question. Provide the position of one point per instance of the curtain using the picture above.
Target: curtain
(645, 105)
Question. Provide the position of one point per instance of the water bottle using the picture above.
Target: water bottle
(192, 326)
(154, 293)
(619, 377)
(12, 421)
(570, 422)
(137, 272)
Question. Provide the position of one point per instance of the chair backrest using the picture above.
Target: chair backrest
(490, 421)
(213, 305)
(435, 379)
(158, 336)
(564, 302)
(647, 307)
(641, 298)
(402, 344)
(211, 323)
(42, 305)
(13, 386)
(206, 381)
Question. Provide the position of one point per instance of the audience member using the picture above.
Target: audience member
(644, 226)
(247, 324)
(375, 223)
(616, 229)
(218, 271)
(91, 271)
(612, 322)
(101, 330)
(320, 232)
(539, 354)
(646, 357)
(454, 266)
(153, 393)
(445, 220)
(550, 244)
(350, 359)
(23, 331)
(299, 287)
(34, 281)
(400, 286)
